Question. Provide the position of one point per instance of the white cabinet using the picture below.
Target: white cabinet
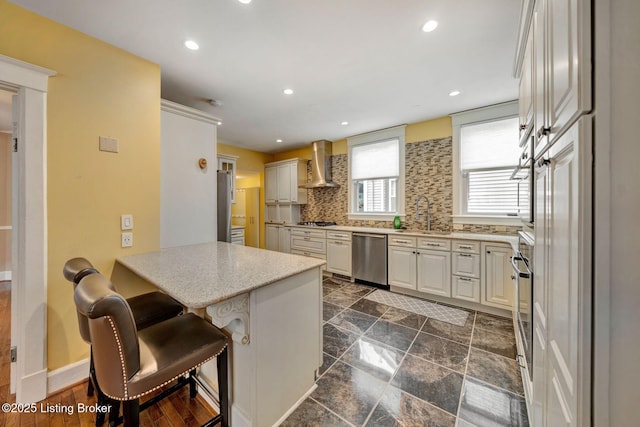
(465, 270)
(282, 180)
(227, 162)
(281, 214)
(402, 267)
(497, 284)
(277, 238)
(561, 67)
(237, 236)
(568, 278)
(309, 242)
(434, 272)
(412, 266)
(339, 252)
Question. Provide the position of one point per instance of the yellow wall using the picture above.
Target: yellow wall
(98, 90)
(252, 163)
(415, 132)
(429, 129)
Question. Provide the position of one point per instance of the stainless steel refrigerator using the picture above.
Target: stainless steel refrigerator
(224, 206)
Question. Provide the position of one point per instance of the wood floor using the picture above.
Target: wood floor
(174, 411)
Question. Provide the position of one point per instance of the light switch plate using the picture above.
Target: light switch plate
(126, 222)
(108, 144)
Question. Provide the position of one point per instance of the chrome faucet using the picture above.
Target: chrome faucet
(428, 211)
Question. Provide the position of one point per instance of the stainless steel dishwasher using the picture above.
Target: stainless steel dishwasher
(369, 258)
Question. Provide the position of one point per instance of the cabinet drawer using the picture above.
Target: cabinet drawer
(309, 244)
(308, 232)
(465, 288)
(311, 255)
(468, 246)
(409, 242)
(339, 235)
(434, 244)
(466, 264)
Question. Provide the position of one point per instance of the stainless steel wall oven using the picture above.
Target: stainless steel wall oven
(523, 271)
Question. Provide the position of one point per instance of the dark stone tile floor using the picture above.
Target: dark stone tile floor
(383, 366)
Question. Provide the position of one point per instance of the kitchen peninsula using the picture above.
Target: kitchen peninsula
(271, 305)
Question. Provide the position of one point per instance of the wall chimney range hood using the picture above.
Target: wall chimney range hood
(320, 166)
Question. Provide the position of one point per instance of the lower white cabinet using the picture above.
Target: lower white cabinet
(277, 238)
(424, 270)
(434, 272)
(339, 252)
(496, 283)
(465, 288)
(402, 267)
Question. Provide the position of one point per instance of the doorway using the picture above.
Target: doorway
(29, 227)
(6, 230)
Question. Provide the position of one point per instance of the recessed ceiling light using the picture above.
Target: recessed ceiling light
(429, 26)
(288, 91)
(278, 140)
(219, 123)
(344, 123)
(245, 1)
(190, 44)
(454, 93)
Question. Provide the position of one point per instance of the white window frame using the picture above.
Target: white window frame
(397, 132)
(486, 114)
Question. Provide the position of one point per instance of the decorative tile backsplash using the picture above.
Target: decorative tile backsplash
(428, 171)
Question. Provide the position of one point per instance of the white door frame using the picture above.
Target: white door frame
(29, 267)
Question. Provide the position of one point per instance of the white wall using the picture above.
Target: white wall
(187, 193)
(617, 188)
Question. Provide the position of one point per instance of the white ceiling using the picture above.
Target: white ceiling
(362, 61)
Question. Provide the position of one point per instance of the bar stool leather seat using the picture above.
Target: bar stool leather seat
(130, 363)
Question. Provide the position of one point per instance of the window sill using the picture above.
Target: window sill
(373, 217)
(487, 220)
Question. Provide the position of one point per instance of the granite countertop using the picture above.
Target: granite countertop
(503, 238)
(204, 274)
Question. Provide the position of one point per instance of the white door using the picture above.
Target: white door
(271, 238)
(540, 280)
(270, 184)
(284, 183)
(402, 267)
(569, 62)
(284, 239)
(569, 286)
(498, 284)
(339, 257)
(434, 272)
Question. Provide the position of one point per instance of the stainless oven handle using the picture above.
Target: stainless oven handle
(514, 264)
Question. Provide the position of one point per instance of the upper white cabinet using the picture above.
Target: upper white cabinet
(282, 180)
(555, 76)
(497, 283)
(227, 163)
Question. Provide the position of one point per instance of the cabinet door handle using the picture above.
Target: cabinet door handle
(307, 239)
(413, 252)
(488, 252)
(402, 241)
(464, 279)
(465, 247)
(437, 245)
(465, 255)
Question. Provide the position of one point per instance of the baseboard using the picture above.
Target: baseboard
(5, 275)
(67, 376)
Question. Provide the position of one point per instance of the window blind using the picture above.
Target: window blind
(491, 192)
(383, 154)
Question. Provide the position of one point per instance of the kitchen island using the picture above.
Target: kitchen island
(271, 305)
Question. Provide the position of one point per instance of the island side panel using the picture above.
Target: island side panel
(286, 336)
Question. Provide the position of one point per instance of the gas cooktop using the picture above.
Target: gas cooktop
(317, 223)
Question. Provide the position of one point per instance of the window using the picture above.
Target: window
(376, 174)
(486, 152)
